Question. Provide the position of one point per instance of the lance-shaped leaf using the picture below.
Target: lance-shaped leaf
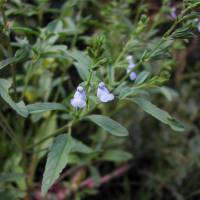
(20, 107)
(6, 62)
(56, 161)
(11, 177)
(82, 64)
(116, 155)
(81, 147)
(44, 107)
(20, 55)
(58, 157)
(159, 114)
(108, 124)
(141, 77)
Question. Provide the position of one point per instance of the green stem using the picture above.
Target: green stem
(4, 16)
(74, 40)
(122, 53)
(142, 60)
(63, 128)
(69, 125)
(9, 131)
(164, 37)
(10, 51)
(70, 128)
(88, 87)
(126, 76)
(138, 11)
(14, 80)
(89, 80)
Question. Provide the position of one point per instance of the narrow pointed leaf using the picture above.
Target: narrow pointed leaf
(44, 107)
(20, 55)
(116, 155)
(159, 114)
(58, 157)
(81, 147)
(142, 77)
(20, 107)
(57, 160)
(82, 63)
(108, 124)
(6, 62)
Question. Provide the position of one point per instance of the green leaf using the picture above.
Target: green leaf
(11, 177)
(82, 70)
(20, 54)
(95, 175)
(57, 160)
(183, 32)
(159, 114)
(20, 107)
(117, 155)
(132, 91)
(81, 147)
(58, 157)
(55, 26)
(44, 107)
(141, 77)
(108, 124)
(11, 194)
(73, 158)
(6, 62)
(82, 64)
(46, 129)
(80, 57)
(169, 93)
(25, 30)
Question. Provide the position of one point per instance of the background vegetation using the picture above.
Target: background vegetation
(48, 48)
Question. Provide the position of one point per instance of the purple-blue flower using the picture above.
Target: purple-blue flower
(198, 25)
(131, 62)
(173, 13)
(103, 94)
(133, 76)
(79, 100)
(131, 65)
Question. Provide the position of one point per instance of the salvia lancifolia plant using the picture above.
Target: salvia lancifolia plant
(70, 73)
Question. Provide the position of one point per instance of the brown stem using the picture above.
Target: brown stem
(88, 183)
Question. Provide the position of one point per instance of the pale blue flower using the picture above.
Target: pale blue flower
(130, 62)
(132, 75)
(198, 26)
(197, 23)
(103, 94)
(79, 100)
(173, 13)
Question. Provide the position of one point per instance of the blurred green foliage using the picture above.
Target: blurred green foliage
(48, 48)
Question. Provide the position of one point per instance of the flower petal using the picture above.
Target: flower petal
(198, 26)
(103, 94)
(79, 100)
(78, 103)
(133, 76)
(107, 97)
(80, 95)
